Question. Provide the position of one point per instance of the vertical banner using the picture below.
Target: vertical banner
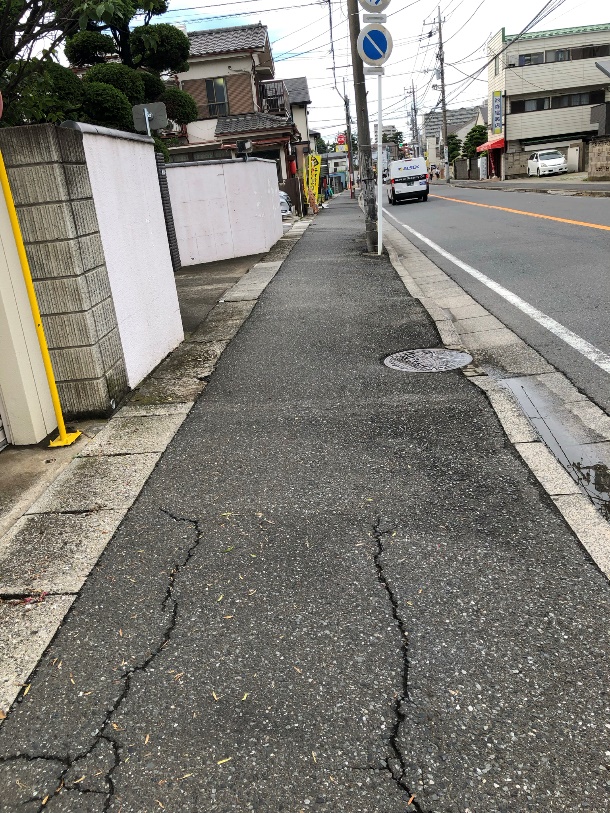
(314, 173)
(496, 112)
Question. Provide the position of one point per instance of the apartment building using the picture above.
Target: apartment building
(541, 88)
(231, 77)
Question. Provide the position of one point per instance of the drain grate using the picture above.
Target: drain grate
(428, 360)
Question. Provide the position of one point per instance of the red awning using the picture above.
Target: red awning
(493, 144)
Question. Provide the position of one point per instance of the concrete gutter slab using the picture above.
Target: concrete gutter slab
(96, 483)
(25, 632)
(53, 553)
(135, 435)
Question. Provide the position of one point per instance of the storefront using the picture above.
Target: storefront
(495, 150)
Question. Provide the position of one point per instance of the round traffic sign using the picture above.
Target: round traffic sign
(375, 44)
(374, 6)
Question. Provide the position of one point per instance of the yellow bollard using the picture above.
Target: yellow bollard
(65, 438)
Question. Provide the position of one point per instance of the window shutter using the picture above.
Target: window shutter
(239, 91)
(196, 87)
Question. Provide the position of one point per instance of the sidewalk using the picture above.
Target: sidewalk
(572, 183)
(340, 589)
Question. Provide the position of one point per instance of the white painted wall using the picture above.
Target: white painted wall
(215, 66)
(202, 132)
(224, 209)
(25, 400)
(127, 200)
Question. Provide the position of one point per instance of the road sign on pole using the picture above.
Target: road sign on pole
(375, 44)
(374, 48)
(374, 6)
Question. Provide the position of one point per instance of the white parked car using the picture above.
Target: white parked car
(546, 162)
(284, 204)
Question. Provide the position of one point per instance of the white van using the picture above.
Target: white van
(408, 179)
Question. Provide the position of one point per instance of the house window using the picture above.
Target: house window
(590, 52)
(531, 59)
(530, 105)
(578, 99)
(559, 55)
(217, 97)
(496, 65)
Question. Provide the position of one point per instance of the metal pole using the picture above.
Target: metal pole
(364, 134)
(441, 59)
(65, 438)
(379, 167)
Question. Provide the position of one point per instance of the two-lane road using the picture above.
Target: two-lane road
(526, 256)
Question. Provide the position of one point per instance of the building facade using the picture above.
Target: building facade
(231, 77)
(541, 89)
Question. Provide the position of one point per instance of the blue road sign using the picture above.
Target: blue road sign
(374, 6)
(374, 44)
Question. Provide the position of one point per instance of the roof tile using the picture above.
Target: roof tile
(228, 40)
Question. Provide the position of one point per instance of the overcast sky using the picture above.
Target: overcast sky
(301, 43)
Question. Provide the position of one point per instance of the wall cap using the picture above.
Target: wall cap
(172, 165)
(94, 129)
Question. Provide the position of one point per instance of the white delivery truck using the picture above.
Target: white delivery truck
(408, 179)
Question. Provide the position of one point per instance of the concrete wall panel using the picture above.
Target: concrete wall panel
(127, 198)
(224, 209)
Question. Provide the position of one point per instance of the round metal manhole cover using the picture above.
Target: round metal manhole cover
(428, 360)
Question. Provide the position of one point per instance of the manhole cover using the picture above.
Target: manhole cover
(427, 360)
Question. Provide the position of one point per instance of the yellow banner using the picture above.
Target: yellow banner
(314, 173)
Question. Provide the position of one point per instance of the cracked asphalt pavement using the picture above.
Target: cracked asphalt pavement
(340, 590)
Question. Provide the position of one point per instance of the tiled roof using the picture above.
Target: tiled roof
(251, 122)
(298, 91)
(228, 40)
(561, 32)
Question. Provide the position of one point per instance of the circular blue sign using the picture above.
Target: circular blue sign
(374, 44)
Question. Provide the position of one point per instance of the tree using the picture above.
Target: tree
(181, 107)
(33, 31)
(321, 145)
(104, 104)
(121, 77)
(396, 138)
(454, 145)
(475, 137)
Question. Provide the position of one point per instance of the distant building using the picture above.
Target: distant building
(433, 121)
(541, 89)
(387, 130)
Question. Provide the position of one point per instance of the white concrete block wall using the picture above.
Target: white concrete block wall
(224, 209)
(127, 198)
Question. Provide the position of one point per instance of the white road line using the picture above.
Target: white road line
(588, 350)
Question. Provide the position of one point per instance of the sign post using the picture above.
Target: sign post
(374, 48)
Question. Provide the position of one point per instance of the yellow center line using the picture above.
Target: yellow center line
(527, 214)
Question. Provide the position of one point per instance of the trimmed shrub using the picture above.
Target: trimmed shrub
(181, 106)
(125, 79)
(105, 105)
(89, 48)
(153, 86)
(162, 148)
(162, 47)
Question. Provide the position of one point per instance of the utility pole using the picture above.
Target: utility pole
(365, 164)
(350, 157)
(441, 59)
(414, 125)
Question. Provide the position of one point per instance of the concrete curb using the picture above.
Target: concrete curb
(582, 193)
(463, 324)
(46, 556)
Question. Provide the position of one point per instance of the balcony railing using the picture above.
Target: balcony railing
(274, 98)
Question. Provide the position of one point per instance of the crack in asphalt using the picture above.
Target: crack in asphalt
(168, 602)
(396, 766)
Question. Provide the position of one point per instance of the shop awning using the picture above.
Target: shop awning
(495, 143)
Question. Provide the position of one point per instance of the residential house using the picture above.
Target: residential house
(231, 77)
(457, 120)
(461, 129)
(542, 86)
